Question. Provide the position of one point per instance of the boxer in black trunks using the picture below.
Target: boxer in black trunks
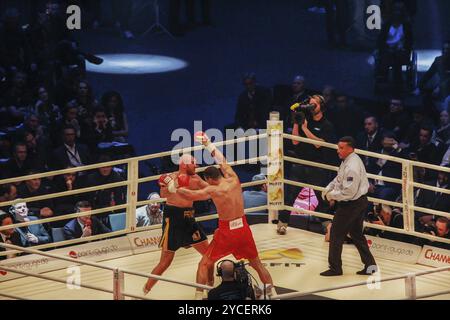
(179, 226)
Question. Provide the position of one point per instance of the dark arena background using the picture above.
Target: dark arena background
(111, 80)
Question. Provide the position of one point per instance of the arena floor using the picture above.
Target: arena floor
(294, 261)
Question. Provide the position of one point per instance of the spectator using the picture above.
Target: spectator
(86, 226)
(443, 130)
(9, 236)
(5, 146)
(86, 102)
(384, 215)
(19, 164)
(48, 112)
(70, 153)
(35, 188)
(339, 116)
(395, 45)
(446, 159)
(31, 235)
(434, 200)
(100, 131)
(37, 152)
(258, 196)
(150, 214)
(329, 96)
(426, 151)
(70, 118)
(115, 111)
(419, 120)
(31, 124)
(315, 127)
(298, 94)
(370, 139)
(253, 105)
(440, 68)
(383, 189)
(397, 120)
(8, 192)
(18, 99)
(65, 205)
(106, 197)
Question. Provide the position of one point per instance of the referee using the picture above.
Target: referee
(348, 192)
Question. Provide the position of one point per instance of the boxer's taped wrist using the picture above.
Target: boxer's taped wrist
(172, 187)
(210, 147)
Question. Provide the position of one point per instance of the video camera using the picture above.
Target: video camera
(300, 111)
(242, 278)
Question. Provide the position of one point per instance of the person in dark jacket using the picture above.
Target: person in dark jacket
(86, 226)
(103, 198)
(9, 236)
(253, 105)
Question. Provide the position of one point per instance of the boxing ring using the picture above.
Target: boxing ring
(294, 260)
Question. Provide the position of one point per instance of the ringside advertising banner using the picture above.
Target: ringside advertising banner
(394, 250)
(94, 251)
(98, 251)
(145, 241)
(30, 263)
(434, 257)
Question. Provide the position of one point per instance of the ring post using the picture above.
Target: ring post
(132, 194)
(118, 284)
(408, 196)
(410, 286)
(275, 168)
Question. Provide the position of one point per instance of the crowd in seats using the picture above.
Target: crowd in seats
(398, 130)
(51, 118)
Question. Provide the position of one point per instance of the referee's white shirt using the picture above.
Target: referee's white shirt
(351, 182)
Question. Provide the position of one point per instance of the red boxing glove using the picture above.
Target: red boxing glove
(165, 180)
(168, 182)
(183, 180)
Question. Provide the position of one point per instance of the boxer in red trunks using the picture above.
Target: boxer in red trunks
(233, 235)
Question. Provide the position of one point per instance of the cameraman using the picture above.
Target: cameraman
(384, 215)
(312, 125)
(441, 229)
(230, 288)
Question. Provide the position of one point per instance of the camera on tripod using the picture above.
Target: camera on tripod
(300, 110)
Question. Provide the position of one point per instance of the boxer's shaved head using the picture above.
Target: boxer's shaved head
(187, 164)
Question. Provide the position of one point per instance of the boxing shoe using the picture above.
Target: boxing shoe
(331, 273)
(367, 271)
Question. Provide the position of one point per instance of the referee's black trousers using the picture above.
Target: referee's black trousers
(349, 219)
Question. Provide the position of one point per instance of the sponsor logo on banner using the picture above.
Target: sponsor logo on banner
(393, 250)
(98, 251)
(30, 263)
(434, 257)
(145, 241)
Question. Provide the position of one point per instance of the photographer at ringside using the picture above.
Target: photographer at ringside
(384, 215)
(309, 122)
(235, 283)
